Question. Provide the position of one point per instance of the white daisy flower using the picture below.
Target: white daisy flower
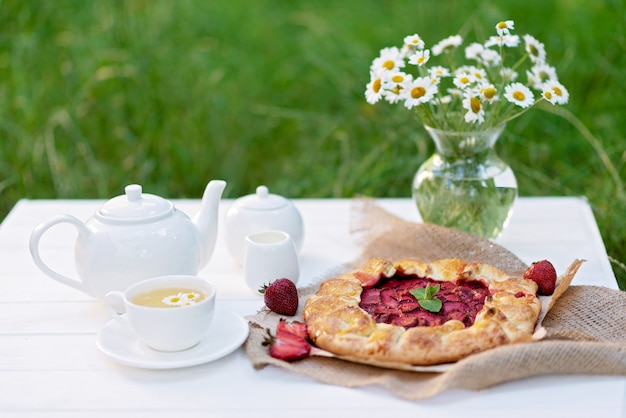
(475, 111)
(488, 93)
(443, 99)
(414, 42)
(463, 80)
(510, 41)
(504, 27)
(447, 44)
(392, 96)
(374, 89)
(519, 94)
(508, 75)
(172, 300)
(420, 58)
(474, 51)
(555, 92)
(438, 71)
(456, 93)
(396, 80)
(536, 50)
(479, 74)
(540, 74)
(190, 298)
(419, 91)
(490, 58)
(390, 59)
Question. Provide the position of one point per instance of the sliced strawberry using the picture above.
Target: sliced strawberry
(290, 342)
(289, 350)
(292, 327)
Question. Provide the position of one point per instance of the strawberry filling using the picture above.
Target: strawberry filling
(391, 302)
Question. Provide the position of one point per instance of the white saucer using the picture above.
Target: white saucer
(228, 331)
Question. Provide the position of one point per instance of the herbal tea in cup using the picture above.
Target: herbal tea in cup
(169, 297)
(168, 313)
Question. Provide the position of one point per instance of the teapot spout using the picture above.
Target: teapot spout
(206, 220)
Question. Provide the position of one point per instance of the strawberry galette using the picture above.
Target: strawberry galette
(415, 313)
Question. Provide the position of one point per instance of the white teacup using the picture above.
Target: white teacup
(269, 256)
(168, 313)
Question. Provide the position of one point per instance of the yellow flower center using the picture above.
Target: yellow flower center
(489, 92)
(397, 78)
(532, 50)
(557, 91)
(547, 95)
(475, 104)
(389, 64)
(464, 80)
(519, 96)
(502, 25)
(377, 85)
(418, 92)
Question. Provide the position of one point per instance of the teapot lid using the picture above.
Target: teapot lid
(261, 200)
(135, 206)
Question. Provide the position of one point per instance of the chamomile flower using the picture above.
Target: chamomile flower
(438, 72)
(510, 41)
(374, 89)
(519, 94)
(490, 58)
(479, 74)
(488, 93)
(396, 81)
(463, 80)
(536, 50)
(420, 58)
(456, 94)
(447, 45)
(504, 27)
(473, 51)
(540, 74)
(172, 300)
(555, 92)
(508, 75)
(418, 91)
(189, 298)
(390, 59)
(414, 42)
(475, 112)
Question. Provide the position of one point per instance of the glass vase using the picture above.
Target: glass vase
(464, 184)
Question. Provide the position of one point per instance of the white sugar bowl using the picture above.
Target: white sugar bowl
(262, 211)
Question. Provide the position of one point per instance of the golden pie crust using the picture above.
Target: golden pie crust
(337, 323)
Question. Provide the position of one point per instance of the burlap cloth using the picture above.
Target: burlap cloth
(584, 327)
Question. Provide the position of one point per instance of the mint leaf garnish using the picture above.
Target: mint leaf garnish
(425, 297)
(431, 305)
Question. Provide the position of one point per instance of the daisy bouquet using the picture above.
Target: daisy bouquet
(484, 91)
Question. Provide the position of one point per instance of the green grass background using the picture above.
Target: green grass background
(172, 93)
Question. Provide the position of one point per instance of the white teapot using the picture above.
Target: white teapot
(136, 236)
(259, 212)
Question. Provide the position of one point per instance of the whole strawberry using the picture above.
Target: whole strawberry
(281, 296)
(543, 273)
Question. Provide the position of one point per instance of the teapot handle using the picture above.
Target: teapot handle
(34, 249)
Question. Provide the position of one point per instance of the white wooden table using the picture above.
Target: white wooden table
(50, 365)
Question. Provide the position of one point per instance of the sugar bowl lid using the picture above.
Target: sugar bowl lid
(261, 200)
(135, 206)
